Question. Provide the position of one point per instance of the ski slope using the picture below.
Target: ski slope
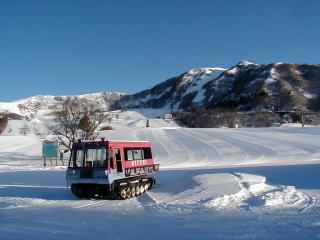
(213, 184)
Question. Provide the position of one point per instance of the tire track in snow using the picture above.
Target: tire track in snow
(199, 152)
(253, 151)
(148, 203)
(220, 148)
(176, 152)
(313, 201)
(157, 142)
(59, 207)
(282, 145)
(33, 205)
(92, 203)
(192, 148)
(27, 202)
(202, 152)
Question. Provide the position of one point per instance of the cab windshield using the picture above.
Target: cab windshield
(88, 157)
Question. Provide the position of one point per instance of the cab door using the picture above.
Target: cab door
(114, 160)
(117, 155)
(111, 159)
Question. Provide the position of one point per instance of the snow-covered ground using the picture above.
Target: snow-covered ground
(213, 184)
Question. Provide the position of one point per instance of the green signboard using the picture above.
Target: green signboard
(50, 149)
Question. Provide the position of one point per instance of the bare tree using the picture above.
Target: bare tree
(3, 123)
(93, 116)
(78, 119)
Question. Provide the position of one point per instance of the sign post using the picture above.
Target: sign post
(50, 150)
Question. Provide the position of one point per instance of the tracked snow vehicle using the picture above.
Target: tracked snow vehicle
(110, 169)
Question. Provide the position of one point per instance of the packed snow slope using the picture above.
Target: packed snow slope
(246, 183)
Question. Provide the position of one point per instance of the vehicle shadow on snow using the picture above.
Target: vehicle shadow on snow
(46, 185)
(35, 192)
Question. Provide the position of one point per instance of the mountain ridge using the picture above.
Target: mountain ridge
(246, 87)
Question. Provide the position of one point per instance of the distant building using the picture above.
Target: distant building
(167, 116)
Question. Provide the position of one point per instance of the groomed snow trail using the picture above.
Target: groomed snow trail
(213, 183)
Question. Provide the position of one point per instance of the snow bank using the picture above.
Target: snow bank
(255, 193)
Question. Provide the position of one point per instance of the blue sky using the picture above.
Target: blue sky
(64, 47)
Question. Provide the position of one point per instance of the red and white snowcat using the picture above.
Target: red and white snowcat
(110, 169)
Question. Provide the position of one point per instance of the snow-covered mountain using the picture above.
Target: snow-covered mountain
(47, 104)
(245, 86)
(175, 92)
(33, 115)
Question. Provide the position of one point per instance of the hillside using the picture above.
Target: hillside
(46, 104)
(245, 86)
(246, 94)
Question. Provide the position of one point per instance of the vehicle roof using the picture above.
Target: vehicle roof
(109, 142)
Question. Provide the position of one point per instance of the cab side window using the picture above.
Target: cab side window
(137, 153)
